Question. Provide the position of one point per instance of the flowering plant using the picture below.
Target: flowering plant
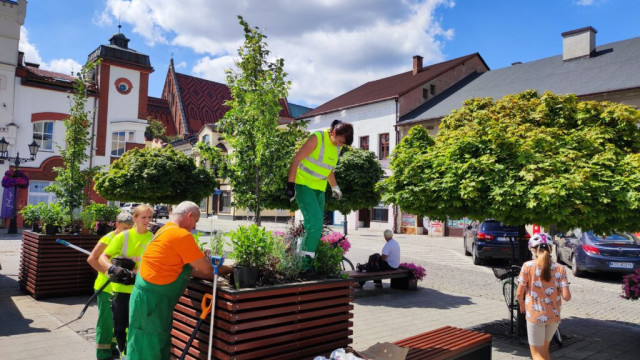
(417, 271)
(13, 178)
(337, 239)
(631, 287)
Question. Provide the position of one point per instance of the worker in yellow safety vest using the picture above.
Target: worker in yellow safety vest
(311, 168)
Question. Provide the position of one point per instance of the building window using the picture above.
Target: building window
(119, 142)
(206, 139)
(225, 201)
(380, 213)
(425, 93)
(43, 134)
(203, 204)
(37, 193)
(383, 146)
(432, 89)
(364, 142)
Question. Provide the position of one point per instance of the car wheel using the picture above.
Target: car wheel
(574, 267)
(558, 256)
(474, 255)
(464, 243)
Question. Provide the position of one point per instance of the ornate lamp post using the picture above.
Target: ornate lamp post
(17, 160)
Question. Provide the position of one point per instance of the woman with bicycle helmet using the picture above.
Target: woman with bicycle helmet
(543, 284)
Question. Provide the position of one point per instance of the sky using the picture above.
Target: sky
(329, 46)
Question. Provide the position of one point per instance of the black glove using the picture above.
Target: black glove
(290, 191)
(120, 275)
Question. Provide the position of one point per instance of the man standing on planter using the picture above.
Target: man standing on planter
(167, 265)
(311, 168)
(105, 342)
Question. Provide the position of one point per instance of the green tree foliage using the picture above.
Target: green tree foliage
(261, 151)
(157, 130)
(526, 158)
(357, 173)
(70, 180)
(155, 176)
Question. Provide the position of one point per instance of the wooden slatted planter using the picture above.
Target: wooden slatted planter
(48, 269)
(295, 321)
(448, 342)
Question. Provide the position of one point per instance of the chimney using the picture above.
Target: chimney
(417, 64)
(578, 43)
(20, 58)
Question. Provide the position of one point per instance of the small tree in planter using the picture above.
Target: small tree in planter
(251, 246)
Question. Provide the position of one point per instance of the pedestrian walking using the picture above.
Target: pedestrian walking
(542, 285)
(311, 168)
(106, 346)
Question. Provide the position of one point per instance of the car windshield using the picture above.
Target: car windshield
(613, 238)
(497, 226)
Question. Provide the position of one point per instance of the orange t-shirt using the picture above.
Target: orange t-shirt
(167, 254)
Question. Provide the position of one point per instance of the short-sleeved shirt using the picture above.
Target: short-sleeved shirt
(168, 253)
(392, 250)
(102, 278)
(543, 299)
(136, 246)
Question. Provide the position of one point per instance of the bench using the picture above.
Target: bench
(448, 342)
(400, 278)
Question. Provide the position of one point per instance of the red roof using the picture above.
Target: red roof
(37, 75)
(159, 109)
(387, 88)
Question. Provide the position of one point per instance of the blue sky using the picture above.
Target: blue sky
(329, 46)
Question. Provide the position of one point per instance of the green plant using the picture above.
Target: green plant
(291, 262)
(31, 214)
(51, 214)
(327, 260)
(251, 245)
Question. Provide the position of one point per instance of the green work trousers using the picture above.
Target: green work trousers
(311, 204)
(150, 317)
(105, 342)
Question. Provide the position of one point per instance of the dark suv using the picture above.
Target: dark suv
(491, 239)
(160, 211)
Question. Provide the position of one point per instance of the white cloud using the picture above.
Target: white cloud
(31, 54)
(585, 2)
(329, 46)
(181, 65)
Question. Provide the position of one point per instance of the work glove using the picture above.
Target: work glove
(290, 191)
(336, 193)
(121, 275)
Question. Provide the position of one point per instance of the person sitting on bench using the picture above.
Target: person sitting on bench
(389, 259)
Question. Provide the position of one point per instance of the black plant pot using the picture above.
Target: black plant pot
(50, 229)
(245, 276)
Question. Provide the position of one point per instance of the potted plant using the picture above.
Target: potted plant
(31, 216)
(52, 216)
(99, 218)
(251, 246)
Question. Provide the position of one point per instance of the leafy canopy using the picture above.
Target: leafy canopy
(357, 173)
(156, 176)
(261, 151)
(526, 158)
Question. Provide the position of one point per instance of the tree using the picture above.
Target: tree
(261, 151)
(526, 158)
(157, 130)
(357, 173)
(70, 180)
(155, 176)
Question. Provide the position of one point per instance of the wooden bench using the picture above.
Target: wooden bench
(400, 278)
(448, 343)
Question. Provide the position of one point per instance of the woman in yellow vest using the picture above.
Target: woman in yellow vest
(125, 250)
(311, 168)
(105, 342)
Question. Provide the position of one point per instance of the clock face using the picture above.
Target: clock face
(123, 86)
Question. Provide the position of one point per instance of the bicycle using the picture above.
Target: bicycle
(345, 264)
(507, 277)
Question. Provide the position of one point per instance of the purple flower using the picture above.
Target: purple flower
(631, 286)
(338, 239)
(417, 271)
(14, 178)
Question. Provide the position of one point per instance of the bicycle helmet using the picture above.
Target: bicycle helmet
(541, 239)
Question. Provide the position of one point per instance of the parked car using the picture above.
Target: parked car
(160, 211)
(129, 207)
(491, 239)
(586, 251)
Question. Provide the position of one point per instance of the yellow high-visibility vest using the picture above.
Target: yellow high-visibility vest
(313, 171)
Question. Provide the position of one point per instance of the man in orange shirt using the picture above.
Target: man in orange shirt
(169, 261)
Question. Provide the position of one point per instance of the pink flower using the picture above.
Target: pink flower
(631, 286)
(418, 271)
(337, 239)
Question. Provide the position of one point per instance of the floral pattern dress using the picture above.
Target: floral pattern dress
(543, 299)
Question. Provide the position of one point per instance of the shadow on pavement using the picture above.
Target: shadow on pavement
(13, 323)
(421, 298)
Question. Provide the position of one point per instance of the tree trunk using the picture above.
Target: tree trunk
(344, 228)
(257, 199)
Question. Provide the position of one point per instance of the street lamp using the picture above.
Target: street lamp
(17, 160)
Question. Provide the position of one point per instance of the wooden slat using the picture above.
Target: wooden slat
(444, 343)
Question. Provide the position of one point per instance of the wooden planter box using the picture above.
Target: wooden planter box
(296, 321)
(48, 269)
